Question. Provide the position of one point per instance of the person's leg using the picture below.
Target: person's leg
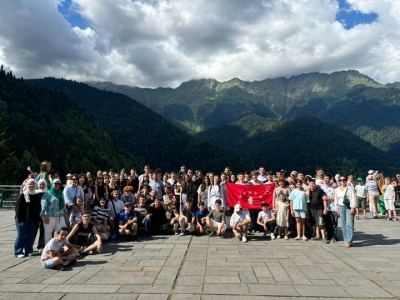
(31, 230)
(303, 228)
(182, 224)
(20, 238)
(237, 233)
(49, 229)
(343, 217)
(147, 224)
(41, 241)
(328, 225)
(298, 226)
(349, 226)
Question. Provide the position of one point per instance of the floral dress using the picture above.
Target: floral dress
(282, 214)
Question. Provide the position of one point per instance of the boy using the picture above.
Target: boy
(390, 199)
(216, 220)
(266, 220)
(128, 222)
(58, 252)
(361, 194)
(201, 216)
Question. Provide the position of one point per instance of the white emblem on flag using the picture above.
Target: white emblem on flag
(250, 200)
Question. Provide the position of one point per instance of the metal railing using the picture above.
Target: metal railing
(9, 195)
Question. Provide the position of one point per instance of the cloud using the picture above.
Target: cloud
(163, 43)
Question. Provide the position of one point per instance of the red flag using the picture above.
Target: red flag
(250, 196)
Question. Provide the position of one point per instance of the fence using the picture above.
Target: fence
(8, 195)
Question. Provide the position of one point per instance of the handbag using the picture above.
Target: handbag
(346, 200)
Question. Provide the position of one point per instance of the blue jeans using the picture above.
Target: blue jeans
(147, 224)
(347, 224)
(25, 237)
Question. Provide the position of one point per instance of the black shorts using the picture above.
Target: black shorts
(318, 218)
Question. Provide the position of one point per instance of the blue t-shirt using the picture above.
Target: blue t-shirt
(299, 199)
(202, 214)
(124, 217)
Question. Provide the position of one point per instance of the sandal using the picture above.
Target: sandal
(357, 217)
(366, 218)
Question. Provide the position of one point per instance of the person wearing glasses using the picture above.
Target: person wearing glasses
(53, 210)
(345, 210)
(71, 193)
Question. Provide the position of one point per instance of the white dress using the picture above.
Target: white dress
(282, 214)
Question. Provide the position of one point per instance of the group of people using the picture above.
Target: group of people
(87, 210)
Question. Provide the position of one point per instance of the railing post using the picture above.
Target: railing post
(1, 197)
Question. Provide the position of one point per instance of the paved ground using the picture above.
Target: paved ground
(191, 267)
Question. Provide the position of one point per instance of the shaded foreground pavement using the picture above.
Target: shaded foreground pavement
(190, 267)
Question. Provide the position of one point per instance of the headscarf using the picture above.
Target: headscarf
(57, 194)
(45, 186)
(27, 192)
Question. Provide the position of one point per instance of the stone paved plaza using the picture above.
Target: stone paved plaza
(190, 267)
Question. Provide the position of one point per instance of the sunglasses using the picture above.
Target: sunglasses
(57, 183)
(342, 179)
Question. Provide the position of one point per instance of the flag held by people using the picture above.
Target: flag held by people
(250, 196)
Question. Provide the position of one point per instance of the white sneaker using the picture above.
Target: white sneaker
(182, 234)
(297, 238)
(21, 255)
(304, 238)
(286, 237)
(278, 237)
(244, 239)
(272, 236)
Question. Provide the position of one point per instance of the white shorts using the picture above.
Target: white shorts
(389, 205)
(216, 225)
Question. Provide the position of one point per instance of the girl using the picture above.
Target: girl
(298, 207)
(202, 191)
(77, 211)
(282, 218)
(99, 217)
(100, 190)
(214, 193)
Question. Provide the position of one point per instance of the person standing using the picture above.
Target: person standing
(27, 218)
(345, 203)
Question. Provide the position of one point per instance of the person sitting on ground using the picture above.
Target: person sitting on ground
(187, 220)
(128, 222)
(99, 217)
(172, 216)
(142, 212)
(58, 252)
(240, 221)
(266, 221)
(201, 218)
(80, 236)
(216, 220)
(157, 217)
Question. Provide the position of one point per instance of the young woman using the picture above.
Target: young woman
(214, 193)
(89, 194)
(100, 190)
(345, 203)
(202, 191)
(112, 187)
(99, 217)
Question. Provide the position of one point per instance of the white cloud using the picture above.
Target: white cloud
(163, 43)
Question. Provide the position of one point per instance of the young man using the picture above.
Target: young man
(128, 222)
(319, 209)
(201, 217)
(216, 220)
(266, 220)
(187, 218)
(240, 222)
(361, 194)
(80, 236)
(390, 198)
(331, 219)
(58, 252)
(142, 212)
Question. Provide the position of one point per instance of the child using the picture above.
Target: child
(361, 193)
(77, 211)
(390, 199)
(298, 207)
(266, 220)
(282, 215)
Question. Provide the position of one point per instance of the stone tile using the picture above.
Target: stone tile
(24, 288)
(82, 289)
(190, 281)
(144, 289)
(272, 290)
(217, 288)
(153, 297)
(243, 297)
(371, 291)
(222, 279)
(102, 297)
(185, 297)
(320, 291)
(32, 296)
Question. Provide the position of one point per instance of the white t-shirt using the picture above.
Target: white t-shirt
(235, 218)
(52, 245)
(389, 192)
(264, 215)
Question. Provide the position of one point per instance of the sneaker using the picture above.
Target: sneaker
(40, 250)
(211, 234)
(388, 219)
(30, 254)
(272, 236)
(182, 234)
(244, 239)
(265, 234)
(333, 240)
(395, 220)
(297, 238)
(316, 238)
(21, 255)
(286, 237)
(278, 237)
(305, 238)
(176, 232)
(326, 241)
(91, 252)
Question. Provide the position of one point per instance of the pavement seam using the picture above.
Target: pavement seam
(171, 293)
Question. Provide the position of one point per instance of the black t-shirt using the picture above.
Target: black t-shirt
(157, 215)
(189, 214)
(82, 236)
(315, 197)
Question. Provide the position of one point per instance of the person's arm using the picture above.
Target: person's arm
(259, 222)
(73, 231)
(98, 240)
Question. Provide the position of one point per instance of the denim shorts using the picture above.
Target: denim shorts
(300, 214)
(48, 264)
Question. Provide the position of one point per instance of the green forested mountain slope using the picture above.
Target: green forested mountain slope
(142, 132)
(302, 144)
(47, 125)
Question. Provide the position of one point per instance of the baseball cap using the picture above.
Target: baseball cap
(238, 207)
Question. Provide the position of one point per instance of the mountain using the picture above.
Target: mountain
(302, 144)
(395, 85)
(144, 133)
(206, 103)
(38, 124)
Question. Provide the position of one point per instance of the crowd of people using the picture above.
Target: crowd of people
(87, 210)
